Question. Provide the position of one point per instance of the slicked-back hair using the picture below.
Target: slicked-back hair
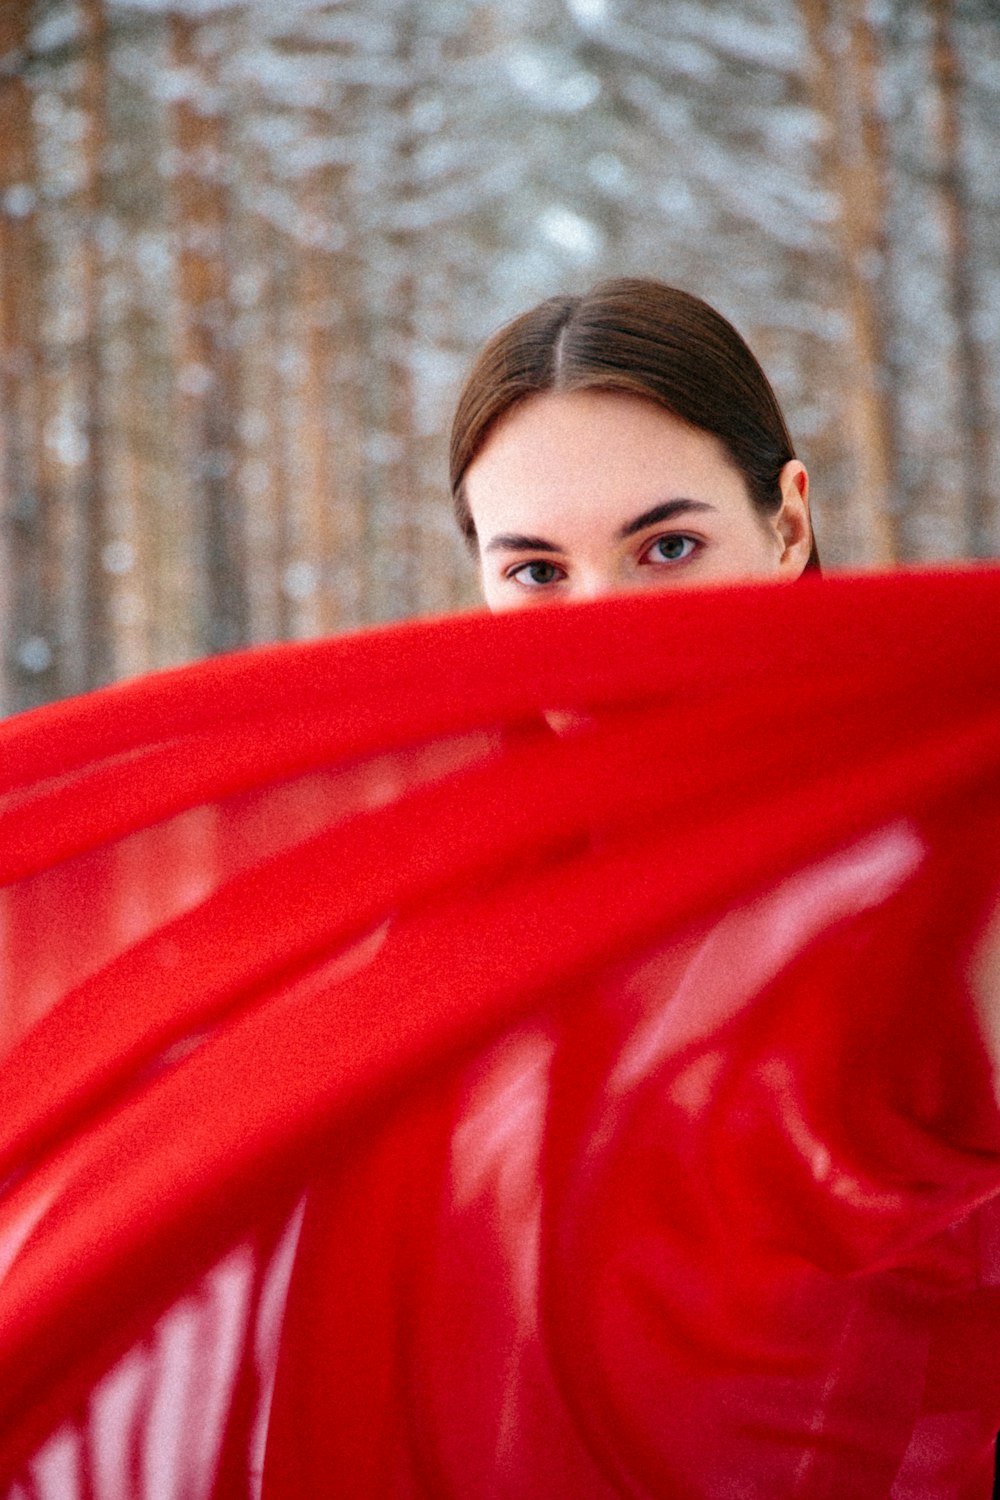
(643, 338)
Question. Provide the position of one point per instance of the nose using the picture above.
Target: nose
(595, 583)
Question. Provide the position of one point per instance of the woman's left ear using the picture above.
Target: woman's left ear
(792, 520)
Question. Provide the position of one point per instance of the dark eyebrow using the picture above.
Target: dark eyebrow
(663, 512)
(511, 541)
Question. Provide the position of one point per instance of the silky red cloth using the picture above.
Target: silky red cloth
(512, 1057)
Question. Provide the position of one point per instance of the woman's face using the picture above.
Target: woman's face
(593, 492)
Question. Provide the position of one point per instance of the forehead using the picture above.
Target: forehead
(592, 455)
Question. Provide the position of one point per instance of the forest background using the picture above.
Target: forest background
(247, 250)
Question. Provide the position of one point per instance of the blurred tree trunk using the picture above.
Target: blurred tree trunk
(349, 565)
(845, 68)
(309, 507)
(394, 508)
(262, 478)
(91, 533)
(206, 360)
(402, 475)
(973, 406)
(29, 626)
(324, 529)
(146, 525)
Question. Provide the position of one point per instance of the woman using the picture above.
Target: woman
(624, 439)
(617, 1103)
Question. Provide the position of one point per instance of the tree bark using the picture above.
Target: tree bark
(845, 67)
(24, 580)
(981, 535)
(96, 647)
(206, 361)
(318, 529)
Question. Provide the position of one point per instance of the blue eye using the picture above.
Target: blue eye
(672, 548)
(537, 574)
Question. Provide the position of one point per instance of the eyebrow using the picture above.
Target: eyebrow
(667, 510)
(512, 541)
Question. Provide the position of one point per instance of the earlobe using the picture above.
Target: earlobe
(792, 521)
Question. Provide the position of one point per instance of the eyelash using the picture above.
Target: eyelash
(516, 573)
(536, 562)
(669, 536)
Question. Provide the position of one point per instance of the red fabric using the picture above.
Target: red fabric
(598, 1109)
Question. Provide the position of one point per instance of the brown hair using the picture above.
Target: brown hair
(644, 338)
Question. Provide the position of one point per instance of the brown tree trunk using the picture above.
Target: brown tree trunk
(845, 64)
(147, 520)
(207, 365)
(317, 530)
(349, 564)
(975, 455)
(402, 472)
(261, 478)
(98, 663)
(29, 637)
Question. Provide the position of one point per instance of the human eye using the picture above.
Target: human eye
(673, 547)
(537, 574)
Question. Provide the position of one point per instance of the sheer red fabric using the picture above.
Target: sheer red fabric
(550, 1055)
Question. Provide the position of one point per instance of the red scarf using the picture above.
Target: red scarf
(630, 1073)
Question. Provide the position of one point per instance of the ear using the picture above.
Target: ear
(791, 522)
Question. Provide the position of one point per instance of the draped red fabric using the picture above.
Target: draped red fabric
(550, 1055)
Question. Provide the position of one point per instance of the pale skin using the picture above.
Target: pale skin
(583, 494)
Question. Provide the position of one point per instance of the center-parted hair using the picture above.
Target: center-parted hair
(643, 338)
